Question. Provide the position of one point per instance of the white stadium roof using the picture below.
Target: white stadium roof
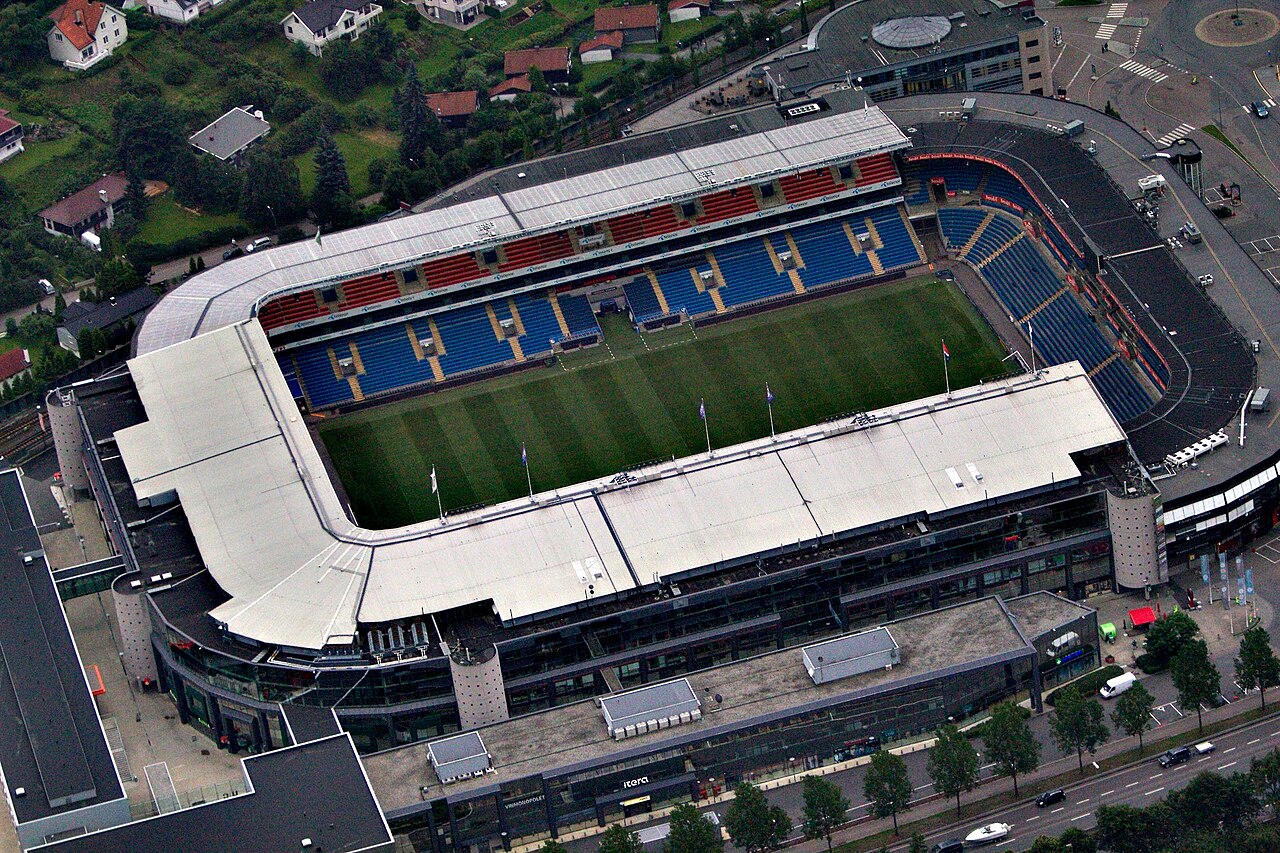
(231, 292)
(224, 435)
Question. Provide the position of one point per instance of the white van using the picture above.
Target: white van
(1117, 685)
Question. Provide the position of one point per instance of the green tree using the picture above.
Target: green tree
(420, 130)
(37, 329)
(1195, 677)
(1166, 636)
(344, 70)
(117, 276)
(1078, 841)
(271, 191)
(1265, 773)
(918, 844)
(59, 305)
(1132, 714)
(619, 839)
(1076, 724)
(887, 786)
(691, 832)
(135, 198)
(953, 764)
(825, 806)
(1128, 829)
(1257, 667)
(1010, 743)
(397, 186)
(10, 327)
(148, 136)
(1210, 801)
(537, 80)
(752, 823)
(1047, 844)
(331, 200)
(88, 342)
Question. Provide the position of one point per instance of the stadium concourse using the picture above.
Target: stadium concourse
(250, 589)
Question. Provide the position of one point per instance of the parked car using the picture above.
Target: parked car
(1204, 748)
(1180, 755)
(233, 252)
(46, 286)
(1117, 685)
(260, 243)
(1260, 109)
(1048, 798)
(954, 845)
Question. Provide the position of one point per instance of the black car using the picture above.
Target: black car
(233, 252)
(955, 845)
(1048, 798)
(1181, 755)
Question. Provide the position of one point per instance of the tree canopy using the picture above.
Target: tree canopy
(1132, 714)
(887, 786)
(691, 832)
(1195, 677)
(825, 808)
(1076, 724)
(953, 764)
(1010, 743)
(752, 823)
(1257, 667)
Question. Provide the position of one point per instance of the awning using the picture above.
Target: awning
(1141, 617)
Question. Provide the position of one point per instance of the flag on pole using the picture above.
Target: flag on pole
(524, 455)
(768, 395)
(702, 409)
(946, 353)
(434, 487)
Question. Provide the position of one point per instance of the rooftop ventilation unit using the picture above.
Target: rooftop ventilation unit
(851, 655)
(649, 709)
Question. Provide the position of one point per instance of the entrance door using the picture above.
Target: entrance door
(640, 805)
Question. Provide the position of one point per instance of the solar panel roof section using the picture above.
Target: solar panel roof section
(52, 743)
(230, 292)
(459, 756)
(654, 703)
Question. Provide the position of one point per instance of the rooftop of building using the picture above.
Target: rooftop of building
(319, 15)
(82, 315)
(315, 790)
(84, 203)
(231, 133)
(543, 58)
(52, 745)
(77, 20)
(1040, 612)
(451, 104)
(844, 45)
(609, 18)
(752, 692)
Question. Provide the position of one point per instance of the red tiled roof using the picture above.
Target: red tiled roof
(13, 362)
(626, 18)
(613, 40)
(515, 84)
(80, 35)
(681, 4)
(79, 206)
(450, 104)
(6, 124)
(543, 58)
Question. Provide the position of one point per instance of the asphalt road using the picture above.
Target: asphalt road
(1137, 785)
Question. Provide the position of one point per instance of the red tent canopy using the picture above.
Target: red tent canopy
(1141, 617)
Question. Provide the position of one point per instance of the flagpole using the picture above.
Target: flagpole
(769, 400)
(524, 457)
(1031, 333)
(706, 428)
(946, 367)
(436, 488)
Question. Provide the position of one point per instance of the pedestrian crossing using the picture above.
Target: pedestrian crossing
(1174, 135)
(1114, 13)
(1135, 67)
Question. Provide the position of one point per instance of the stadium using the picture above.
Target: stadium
(447, 470)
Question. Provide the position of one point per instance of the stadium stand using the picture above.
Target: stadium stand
(727, 204)
(442, 272)
(807, 185)
(653, 222)
(290, 308)
(875, 169)
(369, 290)
(530, 251)
(1033, 293)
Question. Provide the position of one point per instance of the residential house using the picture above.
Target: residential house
(85, 32)
(318, 22)
(687, 10)
(232, 134)
(553, 62)
(13, 363)
(459, 13)
(112, 316)
(638, 24)
(91, 208)
(600, 49)
(509, 90)
(177, 11)
(10, 137)
(453, 108)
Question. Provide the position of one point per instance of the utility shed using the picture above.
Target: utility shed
(648, 709)
(852, 655)
(459, 757)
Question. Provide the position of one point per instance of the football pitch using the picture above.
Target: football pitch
(635, 399)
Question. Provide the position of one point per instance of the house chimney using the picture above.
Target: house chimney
(79, 18)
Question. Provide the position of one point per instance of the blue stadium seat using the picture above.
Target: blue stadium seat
(579, 316)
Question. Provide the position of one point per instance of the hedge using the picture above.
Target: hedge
(141, 252)
(1089, 684)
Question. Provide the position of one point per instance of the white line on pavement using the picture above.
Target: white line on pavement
(1082, 802)
(1037, 817)
(1252, 742)
(1229, 764)
(1131, 784)
(1081, 816)
(1106, 793)
(1055, 811)
(1157, 776)
(1156, 791)
(1232, 749)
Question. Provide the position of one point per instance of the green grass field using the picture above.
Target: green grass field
(636, 400)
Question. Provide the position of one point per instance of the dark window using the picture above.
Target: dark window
(1034, 75)
(1032, 60)
(846, 171)
(1033, 43)
(490, 256)
(688, 209)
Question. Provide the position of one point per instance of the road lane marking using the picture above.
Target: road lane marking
(1055, 811)
(1156, 791)
(1231, 764)
(1037, 817)
(1131, 784)
(1082, 802)
(1157, 776)
(1252, 742)
(1232, 749)
(1106, 793)
(1081, 816)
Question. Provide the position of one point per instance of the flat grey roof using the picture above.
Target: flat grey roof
(458, 756)
(853, 646)
(753, 691)
(231, 133)
(316, 790)
(51, 743)
(655, 702)
(1041, 612)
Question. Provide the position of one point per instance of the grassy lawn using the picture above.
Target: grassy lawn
(638, 400)
(685, 31)
(595, 74)
(359, 148)
(166, 221)
(36, 172)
